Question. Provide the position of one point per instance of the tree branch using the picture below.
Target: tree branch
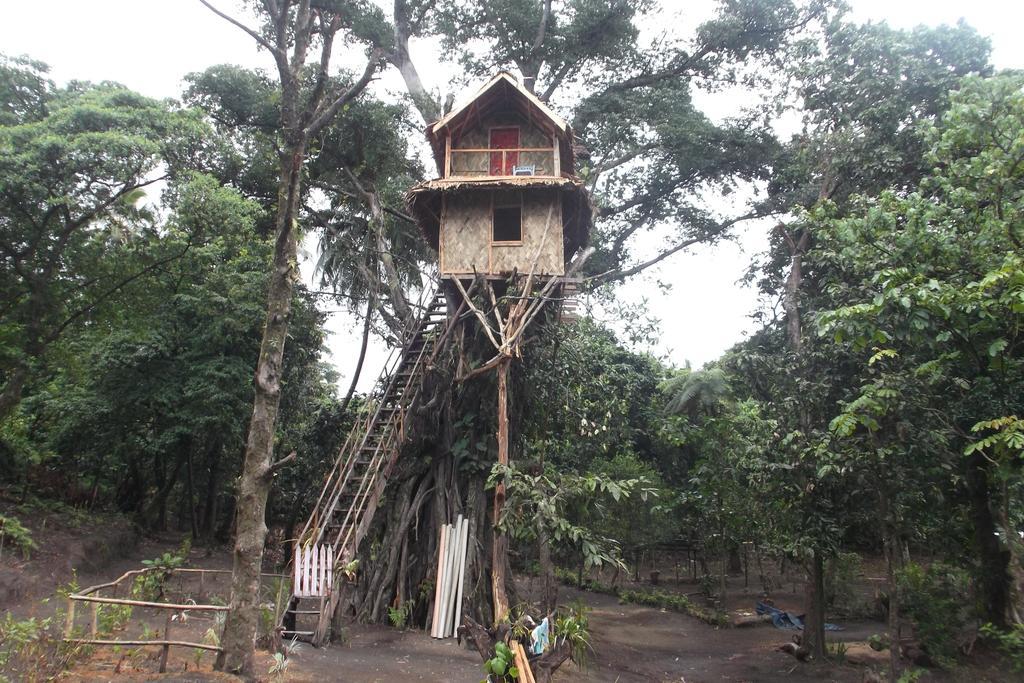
(50, 338)
(271, 470)
(618, 274)
(541, 30)
(277, 52)
(324, 117)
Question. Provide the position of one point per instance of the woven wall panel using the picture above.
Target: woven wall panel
(466, 233)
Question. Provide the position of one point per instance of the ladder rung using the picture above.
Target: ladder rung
(297, 633)
(303, 611)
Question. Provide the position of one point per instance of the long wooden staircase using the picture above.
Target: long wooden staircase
(352, 490)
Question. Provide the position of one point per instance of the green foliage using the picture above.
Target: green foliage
(939, 600)
(111, 618)
(32, 651)
(911, 675)
(1009, 642)
(18, 637)
(837, 652)
(546, 498)
(14, 534)
(675, 602)
(841, 575)
(399, 616)
(279, 666)
(878, 642)
(76, 232)
(572, 626)
(500, 667)
(150, 585)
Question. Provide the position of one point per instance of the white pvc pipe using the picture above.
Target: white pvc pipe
(440, 579)
(461, 575)
(448, 582)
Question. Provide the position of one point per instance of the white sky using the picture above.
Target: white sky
(149, 46)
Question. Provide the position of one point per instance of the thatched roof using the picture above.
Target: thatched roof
(505, 92)
(424, 202)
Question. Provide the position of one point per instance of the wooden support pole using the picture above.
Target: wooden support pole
(499, 550)
(69, 625)
(166, 646)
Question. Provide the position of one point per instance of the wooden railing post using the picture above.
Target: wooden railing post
(69, 626)
(166, 646)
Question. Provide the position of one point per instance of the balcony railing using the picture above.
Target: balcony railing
(539, 161)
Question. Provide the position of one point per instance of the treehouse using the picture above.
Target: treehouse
(507, 202)
(507, 199)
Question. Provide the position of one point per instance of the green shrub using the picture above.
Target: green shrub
(32, 650)
(112, 618)
(938, 600)
(1009, 642)
(500, 666)
(675, 602)
(399, 616)
(573, 627)
(841, 575)
(14, 534)
(150, 586)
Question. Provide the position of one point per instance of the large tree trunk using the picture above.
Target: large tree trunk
(814, 619)
(996, 581)
(10, 396)
(367, 326)
(499, 553)
(251, 529)
(209, 520)
(814, 630)
(155, 515)
(549, 582)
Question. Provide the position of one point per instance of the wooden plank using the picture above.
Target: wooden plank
(447, 155)
(556, 169)
(323, 570)
(69, 625)
(525, 672)
(330, 572)
(480, 150)
(174, 643)
(307, 555)
(439, 581)
(166, 646)
(143, 603)
(297, 571)
(314, 571)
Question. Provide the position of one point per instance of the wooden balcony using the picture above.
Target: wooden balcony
(519, 161)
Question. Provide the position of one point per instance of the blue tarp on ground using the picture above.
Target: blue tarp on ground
(788, 620)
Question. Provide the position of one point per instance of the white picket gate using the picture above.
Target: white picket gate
(314, 571)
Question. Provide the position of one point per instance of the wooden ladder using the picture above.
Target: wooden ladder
(352, 490)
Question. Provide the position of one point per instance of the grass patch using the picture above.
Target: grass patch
(648, 598)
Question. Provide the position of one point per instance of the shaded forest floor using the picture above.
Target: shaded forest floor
(630, 642)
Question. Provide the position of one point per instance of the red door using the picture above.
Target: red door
(504, 138)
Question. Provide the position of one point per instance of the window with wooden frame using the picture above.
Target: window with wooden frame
(507, 218)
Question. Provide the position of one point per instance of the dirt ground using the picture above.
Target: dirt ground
(630, 643)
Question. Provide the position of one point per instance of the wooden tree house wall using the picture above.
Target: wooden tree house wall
(468, 242)
(507, 199)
